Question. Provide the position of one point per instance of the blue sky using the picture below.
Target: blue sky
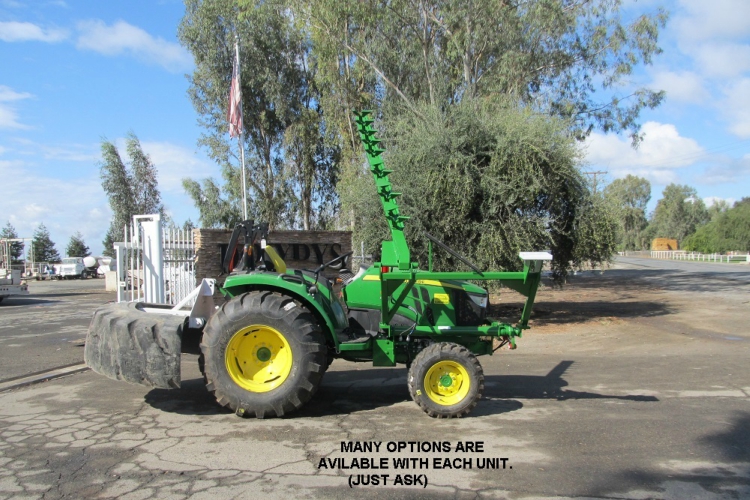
(74, 72)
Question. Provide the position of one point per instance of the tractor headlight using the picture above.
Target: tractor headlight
(480, 300)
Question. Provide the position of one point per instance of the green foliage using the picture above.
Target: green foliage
(678, 214)
(490, 180)
(44, 248)
(629, 197)
(77, 247)
(290, 167)
(132, 189)
(213, 208)
(15, 247)
(728, 231)
(567, 58)
(717, 208)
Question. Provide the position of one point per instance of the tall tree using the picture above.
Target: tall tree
(570, 58)
(678, 214)
(567, 59)
(77, 247)
(143, 175)
(629, 197)
(282, 119)
(132, 189)
(44, 248)
(214, 208)
(15, 247)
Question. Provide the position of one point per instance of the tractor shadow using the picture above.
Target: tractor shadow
(343, 392)
(550, 386)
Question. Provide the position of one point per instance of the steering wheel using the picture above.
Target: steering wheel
(323, 266)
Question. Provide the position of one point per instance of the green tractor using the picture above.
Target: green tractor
(264, 352)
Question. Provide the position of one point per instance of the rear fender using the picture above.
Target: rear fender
(286, 284)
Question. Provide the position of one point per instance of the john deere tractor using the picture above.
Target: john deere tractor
(265, 350)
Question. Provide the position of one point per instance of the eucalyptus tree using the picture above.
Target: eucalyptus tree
(629, 197)
(131, 189)
(289, 165)
(569, 58)
(678, 213)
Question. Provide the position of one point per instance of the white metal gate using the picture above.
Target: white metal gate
(155, 264)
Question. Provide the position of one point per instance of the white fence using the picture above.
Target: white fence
(699, 257)
(155, 264)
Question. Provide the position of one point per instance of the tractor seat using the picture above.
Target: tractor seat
(275, 258)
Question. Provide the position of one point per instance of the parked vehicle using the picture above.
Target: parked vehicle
(11, 283)
(265, 351)
(72, 267)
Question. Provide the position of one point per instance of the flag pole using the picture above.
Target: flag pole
(241, 140)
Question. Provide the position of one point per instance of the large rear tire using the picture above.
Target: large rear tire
(446, 380)
(263, 355)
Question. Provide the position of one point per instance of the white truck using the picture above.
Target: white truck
(78, 267)
(70, 268)
(11, 283)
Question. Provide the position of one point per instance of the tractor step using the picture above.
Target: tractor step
(348, 337)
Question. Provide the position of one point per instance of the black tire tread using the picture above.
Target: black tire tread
(254, 307)
(126, 343)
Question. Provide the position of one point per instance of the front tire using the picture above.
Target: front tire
(263, 355)
(446, 380)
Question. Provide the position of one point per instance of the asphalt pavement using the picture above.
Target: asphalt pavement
(648, 398)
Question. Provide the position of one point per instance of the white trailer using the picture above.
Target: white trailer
(11, 283)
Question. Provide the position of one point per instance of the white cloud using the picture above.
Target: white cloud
(722, 60)
(64, 206)
(661, 152)
(8, 115)
(711, 200)
(14, 31)
(681, 86)
(72, 152)
(174, 163)
(727, 170)
(717, 19)
(8, 94)
(123, 38)
(736, 107)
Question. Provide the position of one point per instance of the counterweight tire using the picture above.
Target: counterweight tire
(446, 380)
(228, 343)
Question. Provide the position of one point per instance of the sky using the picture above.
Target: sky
(75, 72)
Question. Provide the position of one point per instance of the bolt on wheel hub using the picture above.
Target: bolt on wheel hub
(258, 358)
(447, 382)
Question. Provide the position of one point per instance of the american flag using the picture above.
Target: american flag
(234, 113)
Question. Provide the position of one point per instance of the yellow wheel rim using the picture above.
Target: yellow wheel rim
(258, 358)
(447, 383)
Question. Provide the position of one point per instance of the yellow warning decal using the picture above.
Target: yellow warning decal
(441, 298)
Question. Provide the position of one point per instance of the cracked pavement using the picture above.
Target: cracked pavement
(632, 385)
